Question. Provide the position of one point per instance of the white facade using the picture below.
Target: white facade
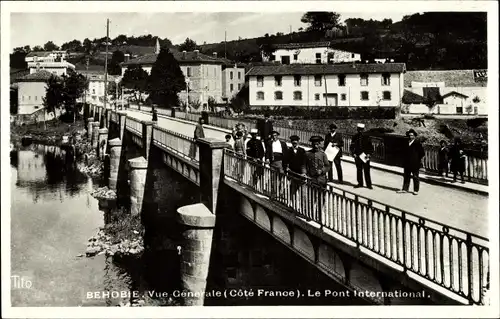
(45, 56)
(233, 79)
(264, 91)
(30, 96)
(57, 68)
(316, 55)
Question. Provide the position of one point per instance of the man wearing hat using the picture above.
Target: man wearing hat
(255, 151)
(362, 149)
(334, 139)
(296, 165)
(265, 127)
(276, 152)
(412, 159)
(317, 164)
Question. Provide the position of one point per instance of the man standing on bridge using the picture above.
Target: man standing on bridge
(255, 151)
(317, 166)
(296, 167)
(413, 155)
(334, 143)
(265, 127)
(276, 154)
(362, 149)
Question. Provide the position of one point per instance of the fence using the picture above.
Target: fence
(476, 168)
(451, 258)
(182, 145)
(133, 126)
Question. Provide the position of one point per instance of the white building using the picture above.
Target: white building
(95, 92)
(311, 53)
(233, 79)
(45, 56)
(326, 85)
(31, 91)
(57, 68)
(458, 92)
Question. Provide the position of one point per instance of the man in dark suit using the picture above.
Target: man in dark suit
(362, 149)
(334, 139)
(296, 167)
(276, 155)
(265, 127)
(413, 155)
(255, 152)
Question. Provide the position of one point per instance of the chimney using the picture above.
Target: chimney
(215, 55)
(184, 55)
(196, 53)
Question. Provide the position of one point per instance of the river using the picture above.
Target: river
(53, 215)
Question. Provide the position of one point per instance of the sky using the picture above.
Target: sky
(200, 26)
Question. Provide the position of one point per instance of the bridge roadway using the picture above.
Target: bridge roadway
(450, 206)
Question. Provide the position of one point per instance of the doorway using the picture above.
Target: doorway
(331, 99)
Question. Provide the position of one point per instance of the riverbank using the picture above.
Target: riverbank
(50, 133)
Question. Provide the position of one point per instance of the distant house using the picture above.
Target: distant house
(203, 72)
(95, 92)
(311, 53)
(461, 91)
(45, 56)
(233, 78)
(306, 85)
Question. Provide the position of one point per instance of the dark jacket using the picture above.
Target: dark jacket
(296, 161)
(255, 149)
(443, 157)
(361, 143)
(264, 128)
(457, 159)
(317, 166)
(413, 155)
(336, 139)
(269, 151)
(199, 132)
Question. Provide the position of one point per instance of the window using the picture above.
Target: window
(317, 80)
(316, 97)
(239, 86)
(231, 87)
(29, 97)
(386, 95)
(189, 71)
(297, 95)
(331, 57)
(364, 95)
(386, 79)
(364, 79)
(285, 59)
(36, 98)
(318, 58)
(260, 95)
(295, 57)
(352, 55)
(278, 95)
(260, 81)
(343, 97)
(297, 80)
(231, 75)
(277, 80)
(460, 110)
(239, 75)
(341, 79)
(22, 98)
(93, 91)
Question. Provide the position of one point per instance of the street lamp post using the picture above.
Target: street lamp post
(187, 97)
(117, 81)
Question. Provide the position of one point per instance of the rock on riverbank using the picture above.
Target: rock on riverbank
(104, 244)
(104, 193)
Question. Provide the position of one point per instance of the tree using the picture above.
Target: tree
(38, 48)
(74, 86)
(114, 65)
(87, 45)
(53, 94)
(73, 45)
(50, 46)
(17, 60)
(135, 78)
(27, 49)
(188, 45)
(166, 80)
(320, 21)
(114, 90)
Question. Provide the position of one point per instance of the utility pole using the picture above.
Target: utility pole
(225, 44)
(106, 65)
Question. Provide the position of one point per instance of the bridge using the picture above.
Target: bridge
(363, 239)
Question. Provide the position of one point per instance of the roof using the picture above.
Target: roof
(98, 76)
(451, 78)
(134, 49)
(181, 57)
(38, 54)
(304, 69)
(410, 97)
(454, 93)
(302, 45)
(432, 94)
(40, 76)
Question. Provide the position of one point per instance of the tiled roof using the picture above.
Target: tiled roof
(302, 45)
(410, 97)
(181, 57)
(40, 76)
(451, 78)
(304, 69)
(38, 54)
(454, 93)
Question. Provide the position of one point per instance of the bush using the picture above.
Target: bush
(429, 116)
(331, 113)
(476, 122)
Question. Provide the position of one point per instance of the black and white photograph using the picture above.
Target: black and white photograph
(240, 156)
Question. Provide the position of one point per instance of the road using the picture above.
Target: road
(450, 206)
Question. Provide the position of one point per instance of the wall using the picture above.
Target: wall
(30, 96)
(308, 55)
(237, 81)
(352, 91)
(205, 81)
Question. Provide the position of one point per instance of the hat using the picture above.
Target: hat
(361, 125)
(315, 139)
(411, 131)
(333, 126)
(294, 138)
(275, 132)
(253, 131)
